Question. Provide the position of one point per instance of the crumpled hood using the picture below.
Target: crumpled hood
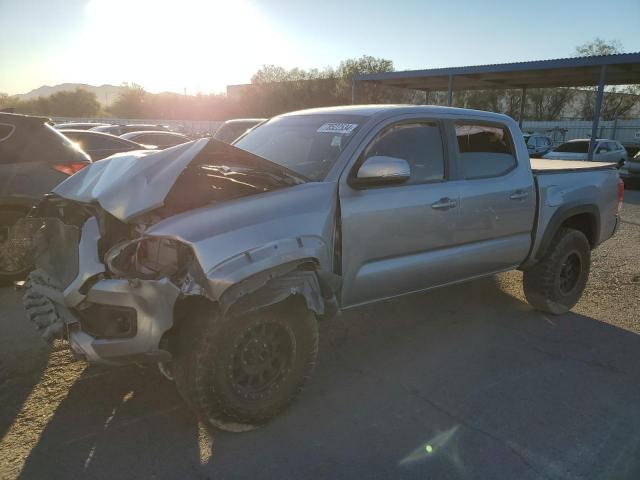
(128, 184)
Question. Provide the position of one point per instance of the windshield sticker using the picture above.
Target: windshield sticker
(336, 141)
(340, 128)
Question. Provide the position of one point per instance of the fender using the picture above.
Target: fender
(561, 215)
(247, 272)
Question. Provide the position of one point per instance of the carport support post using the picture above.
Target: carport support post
(523, 100)
(450, 91)
(596, 112)
(353, 91)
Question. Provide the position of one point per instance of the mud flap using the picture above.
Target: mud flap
(43, 302)
(42, 311)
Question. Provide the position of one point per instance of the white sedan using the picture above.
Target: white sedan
(605, 151)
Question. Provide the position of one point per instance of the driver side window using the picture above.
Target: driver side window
(420, 144)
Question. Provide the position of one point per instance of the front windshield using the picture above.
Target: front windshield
(307, 144)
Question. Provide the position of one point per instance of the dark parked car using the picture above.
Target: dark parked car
(101, 145)
(537, 144)
(78, 125)
(230, 130)
(34, 158)
(134, 127)
(161, 140)
(632, 147)
(630, 171)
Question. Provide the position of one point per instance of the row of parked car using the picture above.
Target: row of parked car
(36, 155)
(541, 146)
(100, 140)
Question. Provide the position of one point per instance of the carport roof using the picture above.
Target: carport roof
(622, 69)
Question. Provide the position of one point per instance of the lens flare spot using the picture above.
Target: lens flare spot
(428, 448)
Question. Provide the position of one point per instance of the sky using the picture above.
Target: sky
(204, 45)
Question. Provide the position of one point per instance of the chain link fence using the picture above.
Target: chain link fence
(625, 131)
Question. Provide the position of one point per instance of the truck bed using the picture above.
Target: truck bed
(542, 166)
(564, 185)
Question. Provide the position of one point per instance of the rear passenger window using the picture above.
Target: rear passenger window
(485, 150)
(420, 144)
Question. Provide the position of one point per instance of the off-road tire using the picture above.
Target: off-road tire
(207, 349)
(545, 284)
(8, 216)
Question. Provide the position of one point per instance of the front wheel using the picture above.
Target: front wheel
(245, 370)
(555, 284)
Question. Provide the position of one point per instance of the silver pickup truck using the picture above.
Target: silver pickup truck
(217, 261)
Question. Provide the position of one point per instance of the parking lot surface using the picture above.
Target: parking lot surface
(464, 382)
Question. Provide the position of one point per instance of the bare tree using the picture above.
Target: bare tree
(618, 100)
(548, 103)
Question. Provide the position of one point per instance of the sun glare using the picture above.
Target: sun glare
(171, 45)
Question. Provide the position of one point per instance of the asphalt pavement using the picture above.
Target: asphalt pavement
(465, 382)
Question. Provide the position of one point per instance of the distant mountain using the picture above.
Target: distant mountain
(106, 94)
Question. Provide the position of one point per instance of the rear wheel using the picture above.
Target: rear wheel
(555, 284)
(240, 372)
(14, 263)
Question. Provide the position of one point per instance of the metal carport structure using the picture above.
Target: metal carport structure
(618, 69)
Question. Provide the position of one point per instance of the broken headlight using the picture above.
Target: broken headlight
(149, 258)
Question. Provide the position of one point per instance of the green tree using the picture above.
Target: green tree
(598, 46)
(548, 103)
(131, 102)
(276, 89)
(368, 92)
(76, 103)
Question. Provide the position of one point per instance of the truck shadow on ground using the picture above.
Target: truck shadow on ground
(462, 382)
(23, 359)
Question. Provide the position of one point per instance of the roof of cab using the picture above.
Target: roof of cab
(372, 110)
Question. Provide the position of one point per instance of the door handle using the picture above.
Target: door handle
(444, 204)
(519, 195)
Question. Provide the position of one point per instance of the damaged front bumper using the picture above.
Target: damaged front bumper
(106, 320)
(119, 321)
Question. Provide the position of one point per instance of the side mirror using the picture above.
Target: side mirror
(381, 170)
